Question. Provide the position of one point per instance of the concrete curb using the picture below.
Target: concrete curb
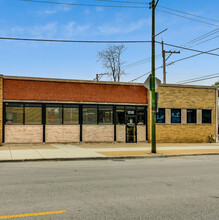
(107, 158)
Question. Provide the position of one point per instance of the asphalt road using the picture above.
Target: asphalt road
(161, 188)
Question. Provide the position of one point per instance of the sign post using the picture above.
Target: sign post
(152, 85)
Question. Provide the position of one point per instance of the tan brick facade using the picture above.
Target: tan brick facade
(184, 97)
(62, 133)
(121, 133)
(23, 134)
(141, 133)
(98, 133)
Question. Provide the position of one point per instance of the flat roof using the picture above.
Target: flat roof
(101, 82)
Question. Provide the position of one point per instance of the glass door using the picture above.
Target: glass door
(131, 129)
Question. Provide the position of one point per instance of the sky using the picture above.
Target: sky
(79, 61)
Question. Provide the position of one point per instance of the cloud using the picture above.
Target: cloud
(55, 10)
(109, 29)
(47, 30)
(72, 29)
(99, 9)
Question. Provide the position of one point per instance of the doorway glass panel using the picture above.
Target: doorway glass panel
(131, 130)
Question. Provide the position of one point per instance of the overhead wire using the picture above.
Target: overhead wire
(191, 43)
(204, 22)
(206, 40)
(76, 41)
(81, 4)
(125, 2)
(185, 58)
(201, 79)
(172, 63)
(185, 48)
(183, 81)
(202, 37)
(187, 13)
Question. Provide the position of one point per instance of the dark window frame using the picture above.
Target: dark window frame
(43, 105)
(195, 116)
(138, 109)
(164, 116)
(90, 106)
(123, 108)
(35, 105)
(208, 123)
(70, 106)
(55, 105)
(98, 114)
(180, 116)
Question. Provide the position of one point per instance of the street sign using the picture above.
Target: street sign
(147, 83)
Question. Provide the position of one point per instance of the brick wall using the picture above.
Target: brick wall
(98, 133)
(15, 89)
(62, 133)
(184, 97)
(121, 133)
(23, 134)
(141, 133)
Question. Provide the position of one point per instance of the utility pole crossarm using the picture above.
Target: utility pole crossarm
(156, 3)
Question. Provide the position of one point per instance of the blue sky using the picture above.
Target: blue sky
(79, 61)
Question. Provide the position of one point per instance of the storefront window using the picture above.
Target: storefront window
(120, 115)
(140, 115)
(33, 114)
(89, 114)
(160, 116)
(175, 116)
(14, 114)
(105, 115)
(53, 114)
(130, 111)
(206, 116)
(191, 116)
(71, 114)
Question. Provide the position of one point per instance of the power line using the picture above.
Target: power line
(202, 36)
(144, 74)
(206, 40)
(174, 62)
(198, 16)
(198, 80)
(185, 58)
(75, 41)
(185, 48)
(97, 42)
(183, 81)
(188, 18)
(125, 2)
(78, 4)
(191, 42)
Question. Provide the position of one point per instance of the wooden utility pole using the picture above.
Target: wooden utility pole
(164, 61)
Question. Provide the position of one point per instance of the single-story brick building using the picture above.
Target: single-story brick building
(37, 110)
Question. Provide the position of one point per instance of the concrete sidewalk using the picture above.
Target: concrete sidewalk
(23, 152)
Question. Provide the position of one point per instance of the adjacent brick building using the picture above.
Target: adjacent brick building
(36, 110)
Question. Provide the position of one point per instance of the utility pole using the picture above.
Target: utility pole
(99, 76)
(153, 127)
(164, 61)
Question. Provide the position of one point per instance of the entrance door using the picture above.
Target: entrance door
(131, 129)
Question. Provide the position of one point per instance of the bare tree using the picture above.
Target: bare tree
(111, 60)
